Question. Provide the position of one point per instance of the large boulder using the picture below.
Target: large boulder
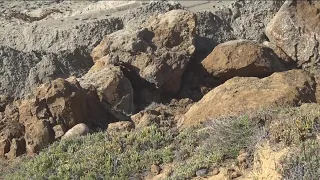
(158, 53)
(295, 29)
(241, 58)
(243, 94)
(112, 87)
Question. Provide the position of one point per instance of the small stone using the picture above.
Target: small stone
(243, 156)
(155, 170)
(236, 174)
(202, 172)
(58, 130)
(215, 171)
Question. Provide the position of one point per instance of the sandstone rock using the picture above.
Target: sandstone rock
(158, 53)
(58, 103)
(215, 171)
(112, 87)
(243, 94)
(10, 129)
(63, 100)
(58, 130)
(17, 148)
(155, 169)
(295, 30)
(241, 58)
(120, 126)
(76, 131)
(143, 119)
(4, 101)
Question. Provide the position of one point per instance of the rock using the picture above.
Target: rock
(51, 66)
(11, 129)
(235, 174)
(211, 30)
(14, 68)
(120, 126)
(76, 131)
(285, 59)
(63, 100)
(243, 157)
(4, 146)
(254, 17)
(60, 104)
(17, 148)
(143, 119)
(158, 53)
(58, 130)
(243, 94)
(215, 171)
(22, 72)
(4, 101)
(241, 20)
(112, 88)
(155, 169)
(295, 30)
(202, 172)
(135, 18)
(241, 58)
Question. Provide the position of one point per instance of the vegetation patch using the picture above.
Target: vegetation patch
(128, 155)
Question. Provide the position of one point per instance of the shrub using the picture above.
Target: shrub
(303, 163)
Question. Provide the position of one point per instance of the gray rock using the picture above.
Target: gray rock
(14, 70)
(202, 172)
(241, 20)
(76, 131)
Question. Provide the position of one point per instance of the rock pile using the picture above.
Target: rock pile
(64, 77)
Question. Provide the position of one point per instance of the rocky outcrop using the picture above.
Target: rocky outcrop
(241, 58)
(243, 94)
(295, 29)
(113, 88)
(23, 72)
(241, 20)
(158, 53)
(46, 115)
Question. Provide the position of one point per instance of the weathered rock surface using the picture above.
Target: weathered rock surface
(117, 127)
(112, 86)
(243, 94)
(295, 29)
(76, 131)
(45, 116)
(158, 53)
(241, 58)
(62, 35)
(22, 72)
(241, 20)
